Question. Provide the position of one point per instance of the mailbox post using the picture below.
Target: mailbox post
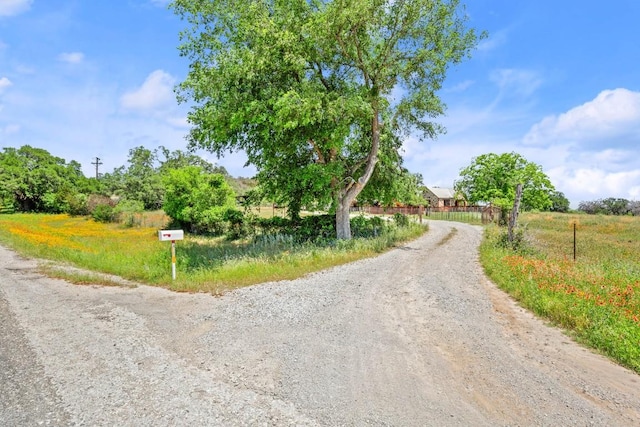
(171, 235)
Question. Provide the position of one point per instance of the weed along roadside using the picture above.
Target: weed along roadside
(596, 298)
(203, 264)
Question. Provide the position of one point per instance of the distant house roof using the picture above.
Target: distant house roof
(443, 193)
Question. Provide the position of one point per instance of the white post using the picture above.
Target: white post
(173, 259)
(171, 235)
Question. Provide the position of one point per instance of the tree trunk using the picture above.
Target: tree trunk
(513, 218)
(343, 222)
(351, 189)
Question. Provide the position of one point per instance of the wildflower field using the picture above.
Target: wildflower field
(204, 264)
(132, 253)
(596, 297)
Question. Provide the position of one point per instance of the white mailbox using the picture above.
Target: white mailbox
(170, 235)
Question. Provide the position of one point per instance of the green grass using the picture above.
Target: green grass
(203, 264)
(597, 297)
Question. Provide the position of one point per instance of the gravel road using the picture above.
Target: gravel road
(417, 336)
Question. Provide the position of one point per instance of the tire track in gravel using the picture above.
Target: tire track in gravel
(416, 336)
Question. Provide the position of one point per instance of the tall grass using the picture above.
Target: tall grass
(596, 297)
(203, 264)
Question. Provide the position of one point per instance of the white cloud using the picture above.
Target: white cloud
(583, 184)
(612, 156)
(10, 129)
(155, 93)
(516, 81)
(610, 118)
(179, 122)
(14, 7)
(460, 87)
(494, 41)
(4, 83)
(71, 57)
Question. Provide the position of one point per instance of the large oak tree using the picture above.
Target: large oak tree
(313, 90)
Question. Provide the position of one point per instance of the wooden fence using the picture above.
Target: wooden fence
(483, 214)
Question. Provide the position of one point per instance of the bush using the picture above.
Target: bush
(308, 228)
(239, 227)
(634, 208)
(210, 221)
(359, 226)
(315, 227)
(128, 212)
(520, 243)
(103, 213)
(401, 219)
(96, 200)
(78, 205)
(366, 227)
(198, 200)
(274, 225)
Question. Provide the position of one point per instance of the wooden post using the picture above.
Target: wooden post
(574, 241)
(513, 218)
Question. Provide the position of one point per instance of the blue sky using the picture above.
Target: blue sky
(556, 81)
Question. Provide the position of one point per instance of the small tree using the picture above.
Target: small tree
(559, 202)
(493, 178)
(616, 206)
(634, 207)
(197, 200)
(608, 206)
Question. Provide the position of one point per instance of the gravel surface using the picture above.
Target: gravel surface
(417, 336)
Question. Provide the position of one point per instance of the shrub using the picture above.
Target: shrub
(274, 225)
(401, 219)
(520, 243)
(311, 228)
(96, 200)
(210, 221)
(103, 213)
(359, 226)
(78, 205)
(366, 227)
(128, 212)
(239, 227)
(198, 200)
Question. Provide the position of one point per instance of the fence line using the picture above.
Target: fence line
(484, 214)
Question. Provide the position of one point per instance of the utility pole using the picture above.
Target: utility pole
(97, 163)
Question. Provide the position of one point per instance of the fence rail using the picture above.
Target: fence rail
(483, 214)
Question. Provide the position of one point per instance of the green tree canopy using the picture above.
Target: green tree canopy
(196, 199)
(139, 181)
(31, 179)
(304, 87)
(493, 178)
(559, 202)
